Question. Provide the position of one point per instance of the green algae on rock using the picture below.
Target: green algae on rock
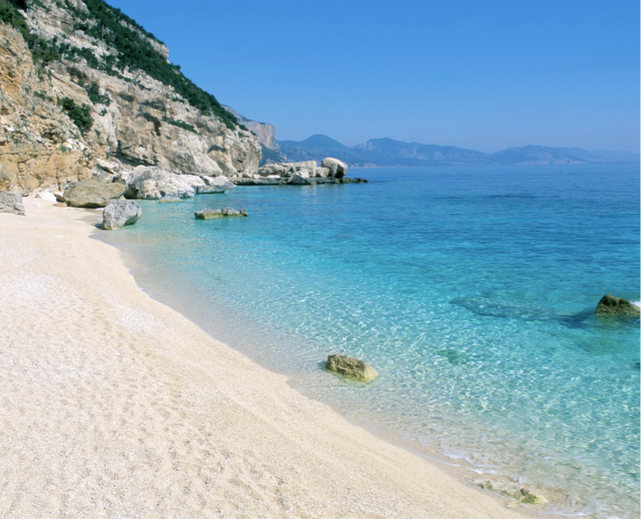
(350, 367)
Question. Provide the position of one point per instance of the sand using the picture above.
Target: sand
(114, 405)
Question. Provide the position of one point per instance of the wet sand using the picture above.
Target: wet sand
(114, 405)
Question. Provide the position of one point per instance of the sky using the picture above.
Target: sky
(482, 75)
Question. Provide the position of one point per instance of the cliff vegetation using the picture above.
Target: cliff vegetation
(80, 81)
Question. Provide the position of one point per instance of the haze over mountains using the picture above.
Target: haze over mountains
(390, 153)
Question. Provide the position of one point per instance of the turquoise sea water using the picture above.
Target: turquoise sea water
(471, 291)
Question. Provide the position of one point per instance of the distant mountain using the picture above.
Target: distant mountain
(390, 153)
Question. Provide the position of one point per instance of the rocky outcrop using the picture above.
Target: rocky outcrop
(156, 183)
(611, 306)
(214, 185)
(92, 193)
(38, 147)
(287, 169)
(335, 167)
(301, 179)
(351, 368)
(133, 118)
(212, 214)
(266, 134)
(119, 213)
(11, 203)
(298, 173)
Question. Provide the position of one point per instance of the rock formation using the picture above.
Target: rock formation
(332, 171)
(92, 193)
(74, 111)
(11, 203)
(351, 368)
(266, 134)
(611, 306)
(156, 183)
(119, 213)
(211, 214)
(337, 168)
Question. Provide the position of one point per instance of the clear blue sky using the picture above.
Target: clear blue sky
(482, 75)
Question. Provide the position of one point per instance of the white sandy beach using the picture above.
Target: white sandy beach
(114, 405)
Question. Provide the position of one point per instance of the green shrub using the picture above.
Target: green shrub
(80, 115)
(93, 91)
(180, 124)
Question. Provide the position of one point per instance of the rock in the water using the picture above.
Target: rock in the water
(92, 193)
(516, 494)
(210, 214)
(456, 358)
(169, 199)
(337, 168)
(306, 169)
(301, 178)
(119, 213)
(11, 203)
(350, 367)
(616, 307)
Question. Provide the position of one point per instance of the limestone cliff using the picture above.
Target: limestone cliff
(88, 100)
(266, 134)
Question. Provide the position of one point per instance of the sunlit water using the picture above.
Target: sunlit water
(471, 290)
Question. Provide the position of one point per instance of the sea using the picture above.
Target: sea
(471, 290)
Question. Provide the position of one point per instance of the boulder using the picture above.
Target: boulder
(287, 169)
(611, 306)
(47, 195)
(322, 172)
(337, 168)
(119, 213)
(351, 368)
(92, 193)
(301, 178)
(11, 203)
(271, 170)
(211, 214)
(218, 184)
(155, 183)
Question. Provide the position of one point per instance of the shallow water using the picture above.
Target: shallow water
(471, 290)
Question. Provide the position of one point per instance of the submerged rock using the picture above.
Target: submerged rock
(169, 199)
(11, 203)
(516, 494)
(455, 358)
(611, 306)
(119, 213)
(504, 309)
(92, 193)
(351, 367)
(210, 214)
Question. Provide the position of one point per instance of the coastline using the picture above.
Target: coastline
(116, 405)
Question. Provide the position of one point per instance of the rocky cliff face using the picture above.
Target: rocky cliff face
(266, 134)
(57, 117)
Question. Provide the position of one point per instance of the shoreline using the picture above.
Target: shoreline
(118, 405)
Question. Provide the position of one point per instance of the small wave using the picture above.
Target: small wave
(636, 303)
